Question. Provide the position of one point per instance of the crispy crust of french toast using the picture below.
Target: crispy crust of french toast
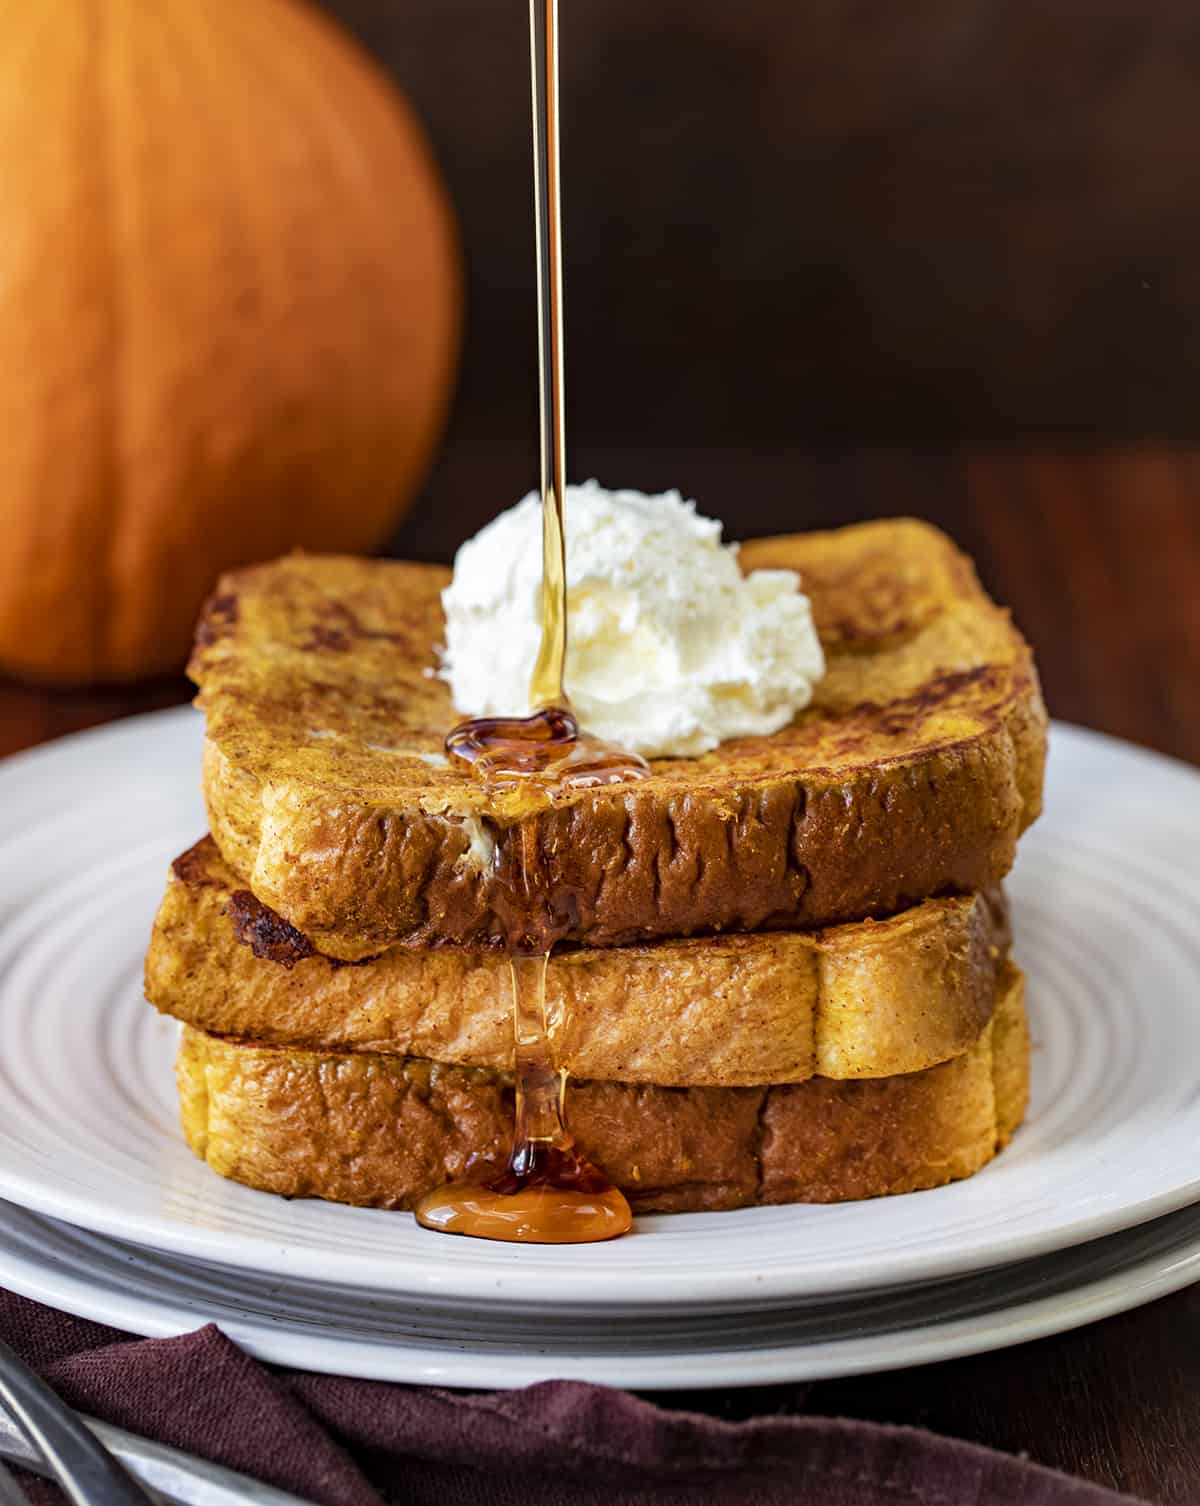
(384, 1130)
(866, 1000)
(913, 773)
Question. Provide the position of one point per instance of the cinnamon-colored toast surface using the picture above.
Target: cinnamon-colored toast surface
(913, 773)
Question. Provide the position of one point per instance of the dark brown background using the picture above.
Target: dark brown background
(787, 225)
(828, 261)
(934, 220)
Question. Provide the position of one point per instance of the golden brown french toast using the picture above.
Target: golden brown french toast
(865, 1000)
(913, 773)
(383, 1130)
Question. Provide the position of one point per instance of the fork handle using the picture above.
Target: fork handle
(83, 1467)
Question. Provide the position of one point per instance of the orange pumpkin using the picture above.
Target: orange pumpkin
(229, 307)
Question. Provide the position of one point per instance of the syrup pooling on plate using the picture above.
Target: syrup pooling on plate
(550, 1193)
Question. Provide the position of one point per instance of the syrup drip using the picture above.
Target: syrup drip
(550, 1192)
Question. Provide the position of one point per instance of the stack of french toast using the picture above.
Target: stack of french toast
(785, 972)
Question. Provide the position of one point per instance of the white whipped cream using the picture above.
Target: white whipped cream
(671, 650)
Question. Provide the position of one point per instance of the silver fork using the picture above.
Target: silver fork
(169, 1474)
(82, 1466)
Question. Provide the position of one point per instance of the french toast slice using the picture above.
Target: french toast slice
(912, 773)
(864, 1000)
(384, 1130)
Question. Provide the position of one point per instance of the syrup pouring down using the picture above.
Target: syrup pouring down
(549, 1193)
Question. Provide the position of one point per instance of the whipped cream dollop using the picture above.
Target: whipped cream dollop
(670, 650)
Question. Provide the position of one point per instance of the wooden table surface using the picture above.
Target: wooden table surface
(1098, 553)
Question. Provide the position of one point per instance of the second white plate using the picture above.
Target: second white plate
(1107, 900)
(344, 1332)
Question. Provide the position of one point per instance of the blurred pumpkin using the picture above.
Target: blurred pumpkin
(229, 302)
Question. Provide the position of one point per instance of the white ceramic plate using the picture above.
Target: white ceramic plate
(349, 1332)
(1107, 900)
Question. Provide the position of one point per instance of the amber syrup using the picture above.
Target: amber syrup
(549, 1193)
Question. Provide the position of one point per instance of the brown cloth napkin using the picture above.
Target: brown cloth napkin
(360, 1443)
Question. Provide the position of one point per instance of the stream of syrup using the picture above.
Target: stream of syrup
(550, 1193)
